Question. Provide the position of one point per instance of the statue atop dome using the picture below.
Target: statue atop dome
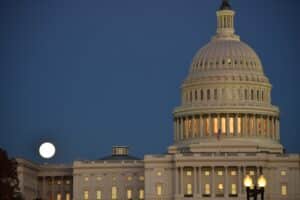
(225, 5)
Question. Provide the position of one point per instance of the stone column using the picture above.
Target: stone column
(201, 125)
(182, 128)
(199, 181)
(52, 186)
(268, 127)
(219, 124)
(176, 181)
(213, 182)
(62, 188)
(254, 132)
(195, 181)
(181, 182)
(226, 181)
(44, 187)
(235, 125)
(227, 126)
(193, 129)
(240, 182)
(210, 129)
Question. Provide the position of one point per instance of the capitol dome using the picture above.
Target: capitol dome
(226, 98)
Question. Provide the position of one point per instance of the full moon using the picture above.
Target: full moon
(47, 150)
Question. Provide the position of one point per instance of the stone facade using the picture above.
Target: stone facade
(225, 128)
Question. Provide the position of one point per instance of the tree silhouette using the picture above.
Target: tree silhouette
(9, 182)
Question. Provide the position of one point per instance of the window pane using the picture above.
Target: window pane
(98, 194)
(159, 189)
(223, 125)
(86, 195)
(231, 126)
(129, 194)
(141, 194)
(114, 192)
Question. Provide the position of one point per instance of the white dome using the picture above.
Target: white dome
(227, 56)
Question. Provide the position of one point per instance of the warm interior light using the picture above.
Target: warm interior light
(248, 181)
(262, 182)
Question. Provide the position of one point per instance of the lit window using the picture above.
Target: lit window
(229, 61)
(189, 173)
(206, 173)
(141, 194)
(239, 125)
(68, 182)
(114, 192)
(129, 194)
(231, 126)
(223, 125)
(129, 178)
(86, 195)
(189, 189)
(233, 189)
(142, 178)
(283, 173)
(158, 173)
(284, 189)
(99, 178)
(58, 196)
(86, 178)
(220, 186)
(114, 178)
(220, 173)
(58, 182)
(207, 189)
(159, 189)
(233, 173)
(207, 126)
(215, 125)
(98, 195)
(251, 173)
(68, 196)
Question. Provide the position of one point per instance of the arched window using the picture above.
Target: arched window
(257, 95)
(191, 96)
(201, 95)
(246, 94)
(196, 95)
(262, 96)
(215, 94)
(252, 95)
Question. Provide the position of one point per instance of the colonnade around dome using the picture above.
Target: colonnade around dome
(227, 125)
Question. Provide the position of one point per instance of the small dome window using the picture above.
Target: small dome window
(229, 61)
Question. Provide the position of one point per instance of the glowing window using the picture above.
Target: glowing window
(206, 173)
(284, 189)
(189, 189)
(233, 189)
(251, 173)
(58, 196)
(158, 173)
(220, 186)
(68, 196)
(215, 125)
(223, 125)
(159, 189)
(220, 173)
(98, 195)
(86, 178)
(231, 125)
(86, 195)
(141, 194)
(189, 173)
(68, 182)
(206, 126)
(129, 194)
(129, 178)
(58, 182)
(207, 189)
(283, 173)
(233, 173)
(99, 178)
(114, 192)
(142, 178)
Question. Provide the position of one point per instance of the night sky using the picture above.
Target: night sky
(87, 75)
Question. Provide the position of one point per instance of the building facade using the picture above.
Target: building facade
(225, 128)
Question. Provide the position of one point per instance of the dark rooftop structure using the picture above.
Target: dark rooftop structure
(120, 153)
(225, 5)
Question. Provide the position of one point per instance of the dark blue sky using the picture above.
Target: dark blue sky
(90, 74)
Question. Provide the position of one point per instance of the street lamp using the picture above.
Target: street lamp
(255, 190)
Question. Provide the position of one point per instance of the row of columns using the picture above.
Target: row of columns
(195, 126)
(50, 188)
(198, 182)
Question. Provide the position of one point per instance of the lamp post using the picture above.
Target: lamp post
(255, 190)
